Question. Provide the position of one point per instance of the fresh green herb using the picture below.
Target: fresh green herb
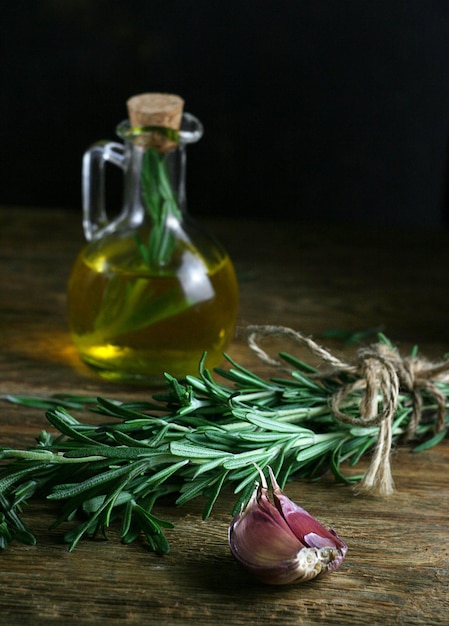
(190, 441)
(160, 203)
(146, 304)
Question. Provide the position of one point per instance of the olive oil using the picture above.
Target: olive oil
(131, 322)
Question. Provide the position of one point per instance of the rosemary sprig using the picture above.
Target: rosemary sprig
(137, 302)
(192, 440)
(160, 203)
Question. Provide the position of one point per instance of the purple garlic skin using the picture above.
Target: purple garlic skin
(279, 542)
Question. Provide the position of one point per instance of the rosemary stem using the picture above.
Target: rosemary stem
(46, 456)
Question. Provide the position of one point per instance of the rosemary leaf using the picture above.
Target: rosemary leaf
(430, 443)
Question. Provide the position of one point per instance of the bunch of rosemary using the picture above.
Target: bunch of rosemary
(190, 441)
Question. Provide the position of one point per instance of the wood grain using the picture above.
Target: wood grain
(306, 276)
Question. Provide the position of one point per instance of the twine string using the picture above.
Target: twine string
(379, 372)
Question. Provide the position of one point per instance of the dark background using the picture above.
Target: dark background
(313, 109)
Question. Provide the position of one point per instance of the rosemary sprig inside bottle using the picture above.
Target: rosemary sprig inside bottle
(158, 197)
(190, 441)
(134, 302)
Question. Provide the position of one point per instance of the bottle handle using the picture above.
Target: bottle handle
(95, 218)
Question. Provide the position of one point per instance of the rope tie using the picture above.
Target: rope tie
(379, 372)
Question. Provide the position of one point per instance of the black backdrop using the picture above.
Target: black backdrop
(313, 109)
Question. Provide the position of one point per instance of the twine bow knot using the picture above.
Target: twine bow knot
(379, 373)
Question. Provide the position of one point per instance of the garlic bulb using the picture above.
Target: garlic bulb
(281, 543)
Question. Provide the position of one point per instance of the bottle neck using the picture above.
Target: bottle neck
(154, 183)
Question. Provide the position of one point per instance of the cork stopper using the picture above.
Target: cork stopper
(155, 109)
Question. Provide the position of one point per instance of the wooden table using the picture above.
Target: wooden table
(307, 276)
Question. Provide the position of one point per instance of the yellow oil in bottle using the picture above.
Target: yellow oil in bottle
(133, 323)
